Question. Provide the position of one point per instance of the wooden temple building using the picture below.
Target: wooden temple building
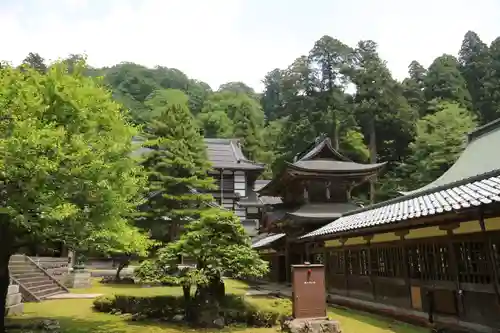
(308, 193)
(432, 253)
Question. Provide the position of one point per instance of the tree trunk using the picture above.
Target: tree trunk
(4, 284)
(373, 157)
(121, 266)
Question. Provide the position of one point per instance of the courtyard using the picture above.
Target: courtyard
(77, 315)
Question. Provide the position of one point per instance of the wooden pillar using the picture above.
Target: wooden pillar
(288, 265)
(406, 268)
(453, 265)
(492, 267)
(370, 274)
(346, 280)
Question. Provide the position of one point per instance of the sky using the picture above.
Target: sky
(218, 41)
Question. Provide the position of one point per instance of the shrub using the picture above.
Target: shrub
(234, 309)
(113, 280)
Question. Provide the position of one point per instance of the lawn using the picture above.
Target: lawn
(76, 316)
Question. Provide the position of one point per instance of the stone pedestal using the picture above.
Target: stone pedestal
(78, 279)
(14, 301)
(324, 325)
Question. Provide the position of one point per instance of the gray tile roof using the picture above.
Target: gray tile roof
(323, 210)
(267, 200)
(338, 166)
(477, 158)
(227, 154)
(267, 240)
(482, 190)
(222, 153)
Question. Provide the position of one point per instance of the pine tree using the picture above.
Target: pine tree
(177, 167)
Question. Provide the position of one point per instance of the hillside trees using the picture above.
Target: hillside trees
(74, 179)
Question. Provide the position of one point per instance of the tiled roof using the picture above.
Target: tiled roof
(267, 240)
(454, 197)
(323, 210)
(327, 165)
(227, 154)
(222, 153)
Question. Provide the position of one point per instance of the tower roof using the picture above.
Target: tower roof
(477, 158)
(323, 160)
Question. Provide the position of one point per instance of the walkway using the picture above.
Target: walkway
(73, 296)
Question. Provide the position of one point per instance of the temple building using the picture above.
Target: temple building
(433, 253)
(309, 192)
(234, 175)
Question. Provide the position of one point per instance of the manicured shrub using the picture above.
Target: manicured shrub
(234, 309)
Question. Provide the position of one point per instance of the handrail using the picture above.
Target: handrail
(46, 273)
(26, 290)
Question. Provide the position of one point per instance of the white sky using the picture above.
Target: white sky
(237, 40)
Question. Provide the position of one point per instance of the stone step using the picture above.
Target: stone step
(55, 293)
(47, 291)
(32, 278)
(36, 284)
(41, 285)
(28, 274)
(24, 270)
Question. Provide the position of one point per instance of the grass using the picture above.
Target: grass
(76, 316)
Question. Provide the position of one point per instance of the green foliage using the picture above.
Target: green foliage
(234, 309)
(176, 163)
(231, 113)
(439, 141)
(219, 245)
(445, 82)
(74, 178)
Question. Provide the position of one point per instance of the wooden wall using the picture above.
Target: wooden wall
(451, 272)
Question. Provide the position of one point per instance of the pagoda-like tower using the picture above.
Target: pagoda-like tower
(314, 189)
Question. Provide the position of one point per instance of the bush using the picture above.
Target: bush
(149, 272)
(234, 309)
(113, 280)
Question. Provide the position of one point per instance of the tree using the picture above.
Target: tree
(331, 56)
(159, 100)
(74, 177)
(490, 105)
(438, 143)
(380, 107)
(176, 164)
(445, 82)
(237, 88)
(220, 246)
(35, 61)
(122, 243)
(474, 59)
(272, 101)
(413, 87)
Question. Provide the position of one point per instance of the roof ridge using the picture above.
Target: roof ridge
(413, 195)
(492, 125)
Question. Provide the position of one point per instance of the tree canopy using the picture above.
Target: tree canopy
(65, 169)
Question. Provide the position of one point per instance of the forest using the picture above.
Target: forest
(346, 92)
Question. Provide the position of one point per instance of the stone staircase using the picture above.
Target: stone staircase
(35, 283)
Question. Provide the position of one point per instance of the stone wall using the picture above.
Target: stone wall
(14, 300)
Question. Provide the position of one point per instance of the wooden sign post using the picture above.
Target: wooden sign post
(309, 301)
(309, 297)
